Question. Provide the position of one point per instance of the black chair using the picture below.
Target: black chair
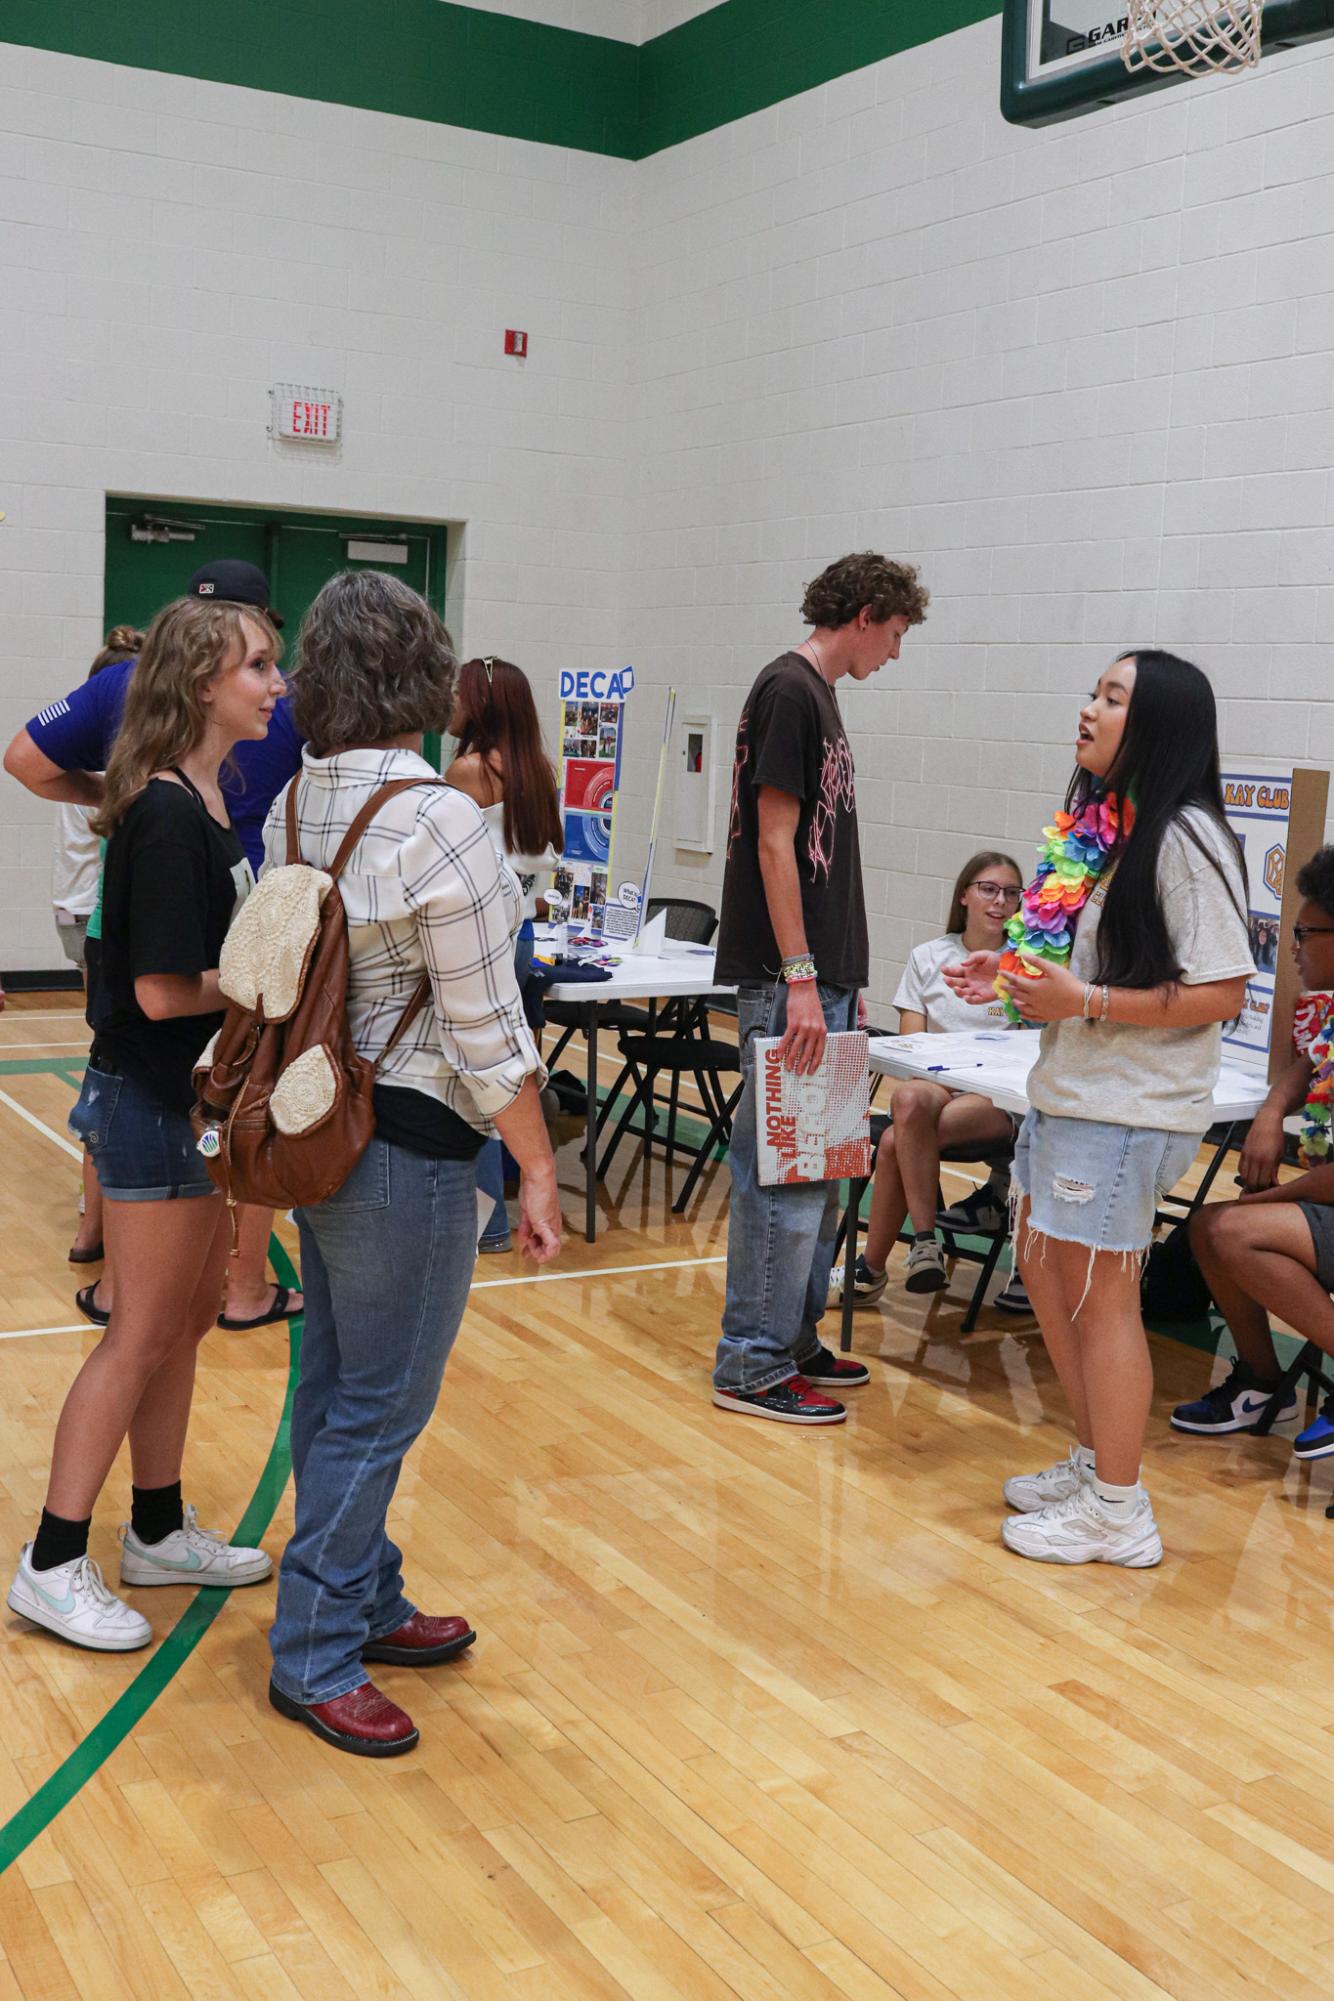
(999, 1155)
(691, 923)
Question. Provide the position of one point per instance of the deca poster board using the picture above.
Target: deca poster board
(1279, 820)
(592, 731)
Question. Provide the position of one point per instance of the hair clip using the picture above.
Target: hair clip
(489, 668)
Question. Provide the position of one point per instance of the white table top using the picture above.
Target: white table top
(686, 969)
(995, 1063)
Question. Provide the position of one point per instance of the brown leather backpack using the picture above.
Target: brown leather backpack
(284, 1107)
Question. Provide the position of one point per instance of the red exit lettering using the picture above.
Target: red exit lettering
(310, 420)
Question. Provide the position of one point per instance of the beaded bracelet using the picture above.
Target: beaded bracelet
(801, 966)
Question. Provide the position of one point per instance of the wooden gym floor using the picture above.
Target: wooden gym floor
(753, 1712)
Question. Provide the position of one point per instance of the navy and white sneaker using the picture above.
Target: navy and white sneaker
(1013, 1298)
(867, 1285)
(980, 1214)
(1317, 1441)
(1235, 1404)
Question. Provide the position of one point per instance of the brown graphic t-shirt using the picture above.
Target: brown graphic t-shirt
(791, 736)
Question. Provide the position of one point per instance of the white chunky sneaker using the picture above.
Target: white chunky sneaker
(189, 1555)
(1027, 1492)
(71, 1599)
(1081, 1530)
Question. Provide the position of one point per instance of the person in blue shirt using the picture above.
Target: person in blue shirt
(61, 755)
(69, 740)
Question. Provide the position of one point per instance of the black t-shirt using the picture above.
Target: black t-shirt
(172, 880)
(791, 736)
(420, 1123)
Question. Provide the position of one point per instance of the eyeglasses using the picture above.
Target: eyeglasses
(1301, 932)
(990, 891)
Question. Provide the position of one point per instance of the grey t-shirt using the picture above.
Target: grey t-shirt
(1157, 1077)
(923, 989)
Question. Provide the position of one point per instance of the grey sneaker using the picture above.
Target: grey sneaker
(867, 1285)
(926, 1266)
(980, 1214)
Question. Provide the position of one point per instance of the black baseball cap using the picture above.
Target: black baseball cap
(236, 582)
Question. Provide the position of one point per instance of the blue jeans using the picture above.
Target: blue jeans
(493, 1158)
(385, 1266)
(780, 1241)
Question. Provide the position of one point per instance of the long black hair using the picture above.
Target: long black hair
(1168, 766)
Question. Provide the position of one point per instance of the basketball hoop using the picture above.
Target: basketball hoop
(1194, 37)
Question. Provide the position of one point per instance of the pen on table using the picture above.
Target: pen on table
(935, 1069)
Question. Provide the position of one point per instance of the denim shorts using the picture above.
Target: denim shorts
(1095, 1184)
(143, 1152)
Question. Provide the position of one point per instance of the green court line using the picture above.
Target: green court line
(130, 1707)
(40, 1066)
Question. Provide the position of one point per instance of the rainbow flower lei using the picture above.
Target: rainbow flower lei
(1315, 1140)
(1073, 854)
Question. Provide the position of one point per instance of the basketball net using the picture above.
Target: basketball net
(1194, 37)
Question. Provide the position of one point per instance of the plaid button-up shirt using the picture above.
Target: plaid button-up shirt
(424, 891)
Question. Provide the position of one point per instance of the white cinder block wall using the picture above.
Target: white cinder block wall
(1084, 376)
(170, 248)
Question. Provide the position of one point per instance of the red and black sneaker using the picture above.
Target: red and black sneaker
(792, 1402)
(836, 1372)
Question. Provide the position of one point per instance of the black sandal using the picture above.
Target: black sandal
(91, 1256)
(86, 1301)
(280, 1310)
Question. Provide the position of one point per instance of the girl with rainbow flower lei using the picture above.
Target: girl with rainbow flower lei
(1272, 1251)
(1130, 951)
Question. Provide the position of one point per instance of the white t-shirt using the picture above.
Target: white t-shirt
(528, 868)
(923, 989)
(1161, 1078)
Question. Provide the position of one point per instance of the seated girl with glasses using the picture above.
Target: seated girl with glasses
(927, 1116)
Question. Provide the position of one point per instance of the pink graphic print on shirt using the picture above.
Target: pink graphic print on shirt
(838, 791)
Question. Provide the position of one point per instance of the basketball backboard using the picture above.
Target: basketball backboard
(1060, 58)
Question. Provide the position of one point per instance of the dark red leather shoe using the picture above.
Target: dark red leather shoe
(422, 1641)
(364, 1722)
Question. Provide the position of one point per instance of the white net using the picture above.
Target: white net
(1194, 37)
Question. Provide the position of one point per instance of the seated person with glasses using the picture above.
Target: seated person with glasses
(1272, 1250)
(928, 1117)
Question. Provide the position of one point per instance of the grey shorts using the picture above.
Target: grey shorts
(73, 938)
(1095, 1184)
(1320, 1222)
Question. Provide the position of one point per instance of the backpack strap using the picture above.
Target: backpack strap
(293, 837)
(416, 1002)
(417, 999)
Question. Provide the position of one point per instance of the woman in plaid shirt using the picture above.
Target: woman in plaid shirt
(387, 1261)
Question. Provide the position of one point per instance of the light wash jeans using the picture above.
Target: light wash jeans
(780, 1241)
(385, 1266)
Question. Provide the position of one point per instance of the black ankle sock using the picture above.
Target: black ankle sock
(156, 1511)
(924, 1236)
(59, 1541)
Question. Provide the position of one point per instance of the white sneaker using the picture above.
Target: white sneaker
(71, 1599)
(1027, 1492)
(189, 1555)
(1081, 1530)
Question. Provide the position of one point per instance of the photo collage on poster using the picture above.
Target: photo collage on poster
(590, 769)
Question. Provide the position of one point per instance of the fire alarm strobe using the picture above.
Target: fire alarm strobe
(516, 343)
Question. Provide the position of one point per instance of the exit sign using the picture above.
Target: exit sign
(312, 416)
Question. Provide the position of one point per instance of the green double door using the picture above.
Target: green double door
(154, 547)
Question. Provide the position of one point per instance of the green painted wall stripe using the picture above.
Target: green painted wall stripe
(458, 65)
(748, 54)
(166, 1660)
(425, 59)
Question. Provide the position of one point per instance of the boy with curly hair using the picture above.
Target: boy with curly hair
(1272, 1250)
(792, 936)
